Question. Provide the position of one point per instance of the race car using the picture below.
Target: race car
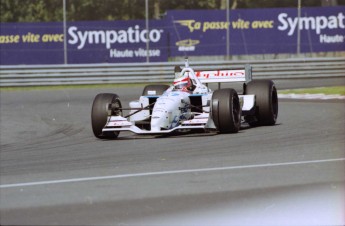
(189, 104)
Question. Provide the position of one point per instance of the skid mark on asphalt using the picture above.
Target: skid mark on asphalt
(86, 179)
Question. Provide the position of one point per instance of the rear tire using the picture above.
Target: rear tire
(226, 110)
(266, 102)
(99, 114)
(158, 89)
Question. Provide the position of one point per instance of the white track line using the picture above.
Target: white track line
(85, 179)
(311, 96)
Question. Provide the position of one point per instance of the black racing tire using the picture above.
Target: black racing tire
(266, 102)
(159, 89)
(99, 114)
(226, 110)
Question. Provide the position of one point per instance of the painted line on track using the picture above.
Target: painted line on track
(311, 96)
(86, 179)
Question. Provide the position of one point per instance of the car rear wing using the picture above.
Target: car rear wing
(225, 75)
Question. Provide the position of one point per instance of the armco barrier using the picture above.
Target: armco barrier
(45, 75)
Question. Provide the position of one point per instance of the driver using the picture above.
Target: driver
(182, 81)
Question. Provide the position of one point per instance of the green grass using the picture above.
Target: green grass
(333, 90)
(340, 90)
(57, 87)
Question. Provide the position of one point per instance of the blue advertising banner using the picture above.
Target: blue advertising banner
(31, 43)
(256, 31)
(87, 42)
(179, 33)
(115, 42)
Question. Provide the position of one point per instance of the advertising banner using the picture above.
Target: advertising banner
(87, 42)
(31, 43)
(256, 31)
(116, 42)
(179, 33)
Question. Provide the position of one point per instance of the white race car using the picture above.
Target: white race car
(189, 105)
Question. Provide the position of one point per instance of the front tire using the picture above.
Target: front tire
(99, 114)
(266, 102)
(226, 110)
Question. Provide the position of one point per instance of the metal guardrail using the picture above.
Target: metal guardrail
(76, 74)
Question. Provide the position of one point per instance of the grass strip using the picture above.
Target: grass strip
(333, 90)
(57, 87)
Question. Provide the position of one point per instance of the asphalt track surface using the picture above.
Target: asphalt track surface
(55, 172)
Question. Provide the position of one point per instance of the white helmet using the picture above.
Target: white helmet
(182, 81)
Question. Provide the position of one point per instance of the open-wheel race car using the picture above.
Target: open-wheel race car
(189, 105)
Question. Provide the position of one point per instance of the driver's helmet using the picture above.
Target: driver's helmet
(183, 84)
(182, 81)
